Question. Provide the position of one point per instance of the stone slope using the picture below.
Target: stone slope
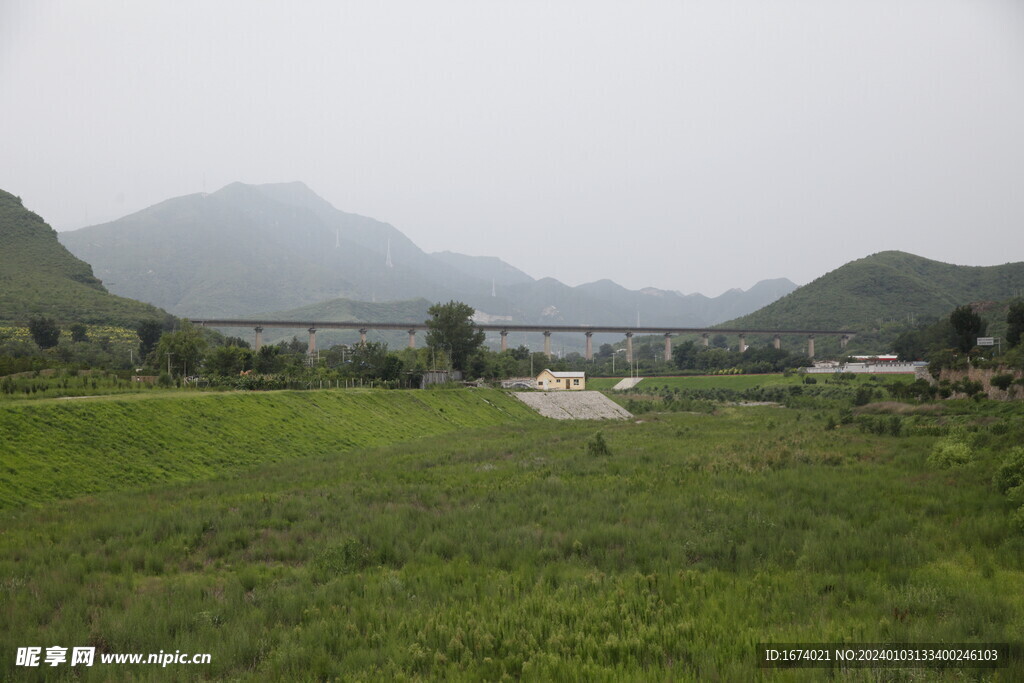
(574, 405)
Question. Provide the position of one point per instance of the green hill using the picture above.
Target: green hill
(38, 276)
(887, 286)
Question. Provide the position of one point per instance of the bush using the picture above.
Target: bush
(1002, 381)
(951, 451)
(863, 396)
(881, 425)
(597, 446)
(1011, 472)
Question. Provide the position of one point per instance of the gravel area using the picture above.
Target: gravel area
(573, 405)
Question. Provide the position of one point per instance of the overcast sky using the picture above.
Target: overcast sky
(694, 146)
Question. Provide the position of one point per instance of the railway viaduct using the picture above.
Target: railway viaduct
(547, 330)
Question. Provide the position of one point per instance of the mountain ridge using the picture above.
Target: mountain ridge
(246, 249)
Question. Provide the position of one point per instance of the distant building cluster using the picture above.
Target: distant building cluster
(882, 364)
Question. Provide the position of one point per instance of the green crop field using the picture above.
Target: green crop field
(519, 549)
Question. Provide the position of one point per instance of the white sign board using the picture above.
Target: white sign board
(986, 341)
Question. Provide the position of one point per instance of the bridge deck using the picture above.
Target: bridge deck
(507, 327)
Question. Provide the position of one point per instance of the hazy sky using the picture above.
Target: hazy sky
(694, 146)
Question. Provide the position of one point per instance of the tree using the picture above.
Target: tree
(372, 361)
(44, 332)
(1015, 323)
(268, 360)
(149, 336)
(521, 352)
(685, 355)
(181, 350)
(228, 360)
(452, 330)
(79, 333)
(968, 326)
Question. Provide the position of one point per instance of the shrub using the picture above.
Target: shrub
(1011, 472)
(951, 451)
(1002, 381)
(597, 446)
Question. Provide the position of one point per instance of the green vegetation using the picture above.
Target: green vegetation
(886, 290)
(40, 278)
(664, 549)
(43, 384)
(737, 382)
(451, 330)
(104, 347)
(62, 448)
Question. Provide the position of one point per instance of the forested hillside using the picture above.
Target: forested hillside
(39, 277)
(885, 287)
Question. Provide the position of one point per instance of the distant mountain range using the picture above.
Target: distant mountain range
(249, 249)
(38, 276)
(885, 287)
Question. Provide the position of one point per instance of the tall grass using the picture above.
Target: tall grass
(513, 552)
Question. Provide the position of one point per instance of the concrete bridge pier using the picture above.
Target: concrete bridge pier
(362, 335)
(412, 339)
(590, 346)
(705, 339)
(743, 343)
(629, 347)
(547, 344)
(668, 347)
(844, 340)
(504, 340)
(810, 346)
(312, 341)
(777, 341)
(259, 337)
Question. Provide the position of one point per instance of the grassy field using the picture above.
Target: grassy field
(737, 382)
(66, 447)
(519, 551)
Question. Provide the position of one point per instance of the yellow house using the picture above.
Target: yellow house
(573, 381)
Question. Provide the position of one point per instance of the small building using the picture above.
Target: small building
(572, 381)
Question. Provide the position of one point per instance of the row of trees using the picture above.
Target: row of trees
(957, 334)
(691, 356)
(452, 342)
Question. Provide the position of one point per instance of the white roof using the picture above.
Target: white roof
(566, 374)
